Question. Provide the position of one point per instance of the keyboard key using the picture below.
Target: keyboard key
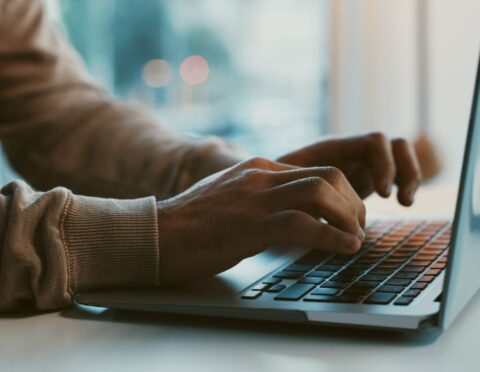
(260, 287)
(320, 274)
(382, 271)
(366, 284)
(332, 284)
(352, 271)
(412, 269)
(403, 301)
(390, 288)
(251, 295)
(419, 263)
(396, 260)
(407, 249)
(439, 265)
(271, 281)
(328, 268)
(400, 255)
(419, 285)
(295, 292)
(358, 290)
(380, 298)
(363, 265)
(350, 299)
(288, 275)
(405, 275)
(426, 278)
(412, 293)
(432, 251)
(326, 291)
(311, 280)
(425, 257)
(374, 277)
(388, 266)
(276, 288)
(345, 275)
(299, 267)
(365, 260)
(311, 298)
(402, 282)
(338, 261)
(433, 272)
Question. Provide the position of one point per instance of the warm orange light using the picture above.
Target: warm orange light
(157, 73)
(194, 70)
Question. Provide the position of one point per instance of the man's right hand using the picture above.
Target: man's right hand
(242, 210)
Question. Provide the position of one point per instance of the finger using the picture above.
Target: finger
(294, 228)
(361, 179)
(329, 151)
(408, 176)
(333, 176)
(264, 163)
(380, 156)
(319, 199)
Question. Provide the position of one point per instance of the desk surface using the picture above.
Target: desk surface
(114, 341)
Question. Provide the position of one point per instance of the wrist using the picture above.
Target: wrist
(215, 156)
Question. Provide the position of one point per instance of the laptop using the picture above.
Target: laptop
(408, 275)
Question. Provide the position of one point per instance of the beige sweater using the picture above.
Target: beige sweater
(60, 129)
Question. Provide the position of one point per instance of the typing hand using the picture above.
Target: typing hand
(244, 209)
(370, 162)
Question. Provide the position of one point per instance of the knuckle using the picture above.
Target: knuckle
(351, 213)
(292, 217)
(258, 162)
(334, 175)
(315, 185)
(417, 177)
(255, 176)
(378, 137)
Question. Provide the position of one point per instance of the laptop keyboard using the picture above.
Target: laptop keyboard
(397, 261)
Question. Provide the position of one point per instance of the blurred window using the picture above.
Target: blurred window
(253, 72)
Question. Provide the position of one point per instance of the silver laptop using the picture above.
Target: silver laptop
(408, 275)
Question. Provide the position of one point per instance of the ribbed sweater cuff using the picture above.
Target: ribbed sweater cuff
(110, 243)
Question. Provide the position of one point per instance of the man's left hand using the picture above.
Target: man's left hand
(370, 162)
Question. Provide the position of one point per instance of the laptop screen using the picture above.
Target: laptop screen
(463, 274)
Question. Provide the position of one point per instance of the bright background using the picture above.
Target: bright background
(253, 72)
(272, 75)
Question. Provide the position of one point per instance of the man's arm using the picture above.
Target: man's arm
(59, 128)
(56, 243)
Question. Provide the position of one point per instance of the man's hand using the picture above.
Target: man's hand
(371, 163)
(242, 210)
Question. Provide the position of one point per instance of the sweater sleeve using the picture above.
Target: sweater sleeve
(54, 244)
(60, 128)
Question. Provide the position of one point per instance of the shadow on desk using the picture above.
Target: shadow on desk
(307, 332)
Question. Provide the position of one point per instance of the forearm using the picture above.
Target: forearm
(55, 244)
(60, 128)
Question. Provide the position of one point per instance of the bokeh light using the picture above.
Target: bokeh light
(157, 73)
(194, 70)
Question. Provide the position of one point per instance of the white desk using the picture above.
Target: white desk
(74, 341)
